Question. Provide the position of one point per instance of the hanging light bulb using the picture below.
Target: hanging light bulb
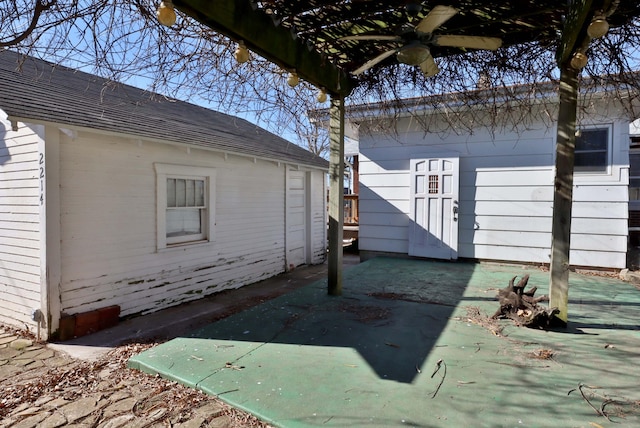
(322, 96)
(293, 79)
(598, 26)
(166, 13)
(579, 61)
(241, 54)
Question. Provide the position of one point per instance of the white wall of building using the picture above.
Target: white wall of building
(20, 232)
(109, 253)
(506, 191)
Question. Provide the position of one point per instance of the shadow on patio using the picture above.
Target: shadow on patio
(399, 348)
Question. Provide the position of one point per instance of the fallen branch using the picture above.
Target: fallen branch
(444, 374)
(606, 401)
(584, 397)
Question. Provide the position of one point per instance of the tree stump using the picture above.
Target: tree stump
(522, 307)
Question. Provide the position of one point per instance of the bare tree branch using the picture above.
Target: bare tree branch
(122, 40)
(37, 11)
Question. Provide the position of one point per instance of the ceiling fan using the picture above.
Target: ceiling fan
(416, 40)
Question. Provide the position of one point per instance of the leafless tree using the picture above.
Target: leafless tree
(122, 40)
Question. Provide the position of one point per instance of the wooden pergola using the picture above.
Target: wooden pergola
(308, 37)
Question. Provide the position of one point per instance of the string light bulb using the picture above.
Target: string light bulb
(579, 61)
(166, 13)
(322, 96)
(598, 26)
(293, 79)
(242, 53)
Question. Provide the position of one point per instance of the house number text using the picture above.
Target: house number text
(41, 162)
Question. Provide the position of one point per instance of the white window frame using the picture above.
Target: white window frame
(634, 197)
(166, 171)
(607, 168)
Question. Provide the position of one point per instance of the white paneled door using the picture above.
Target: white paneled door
(296, 219)
(434, 208)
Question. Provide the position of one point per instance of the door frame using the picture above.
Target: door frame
(419, 239)
(306, 216)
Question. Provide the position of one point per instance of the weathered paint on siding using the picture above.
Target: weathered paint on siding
(506, 194)
(20, 266)
(108, 250)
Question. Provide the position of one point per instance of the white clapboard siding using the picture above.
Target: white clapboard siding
(18, 157)
(155, 274)
(177, 286)
(20, 241)
(389, 245)
(16, 294)
(388, 232)
(538, 255)
(384, 207)
(11, 231)
(507, 208)
(109, 254)
(505, 238)
(515, 254)
(524, 160)
(506, 193)
(599, 226)
(378, 180)
(472, 223)
(387, 193)
(383, 219)
(599, 210)
(32, 253)
(609, 259)
(616, 192)
(506, 177)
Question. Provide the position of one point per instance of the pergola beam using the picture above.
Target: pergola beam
(242, 20)
(239, 21)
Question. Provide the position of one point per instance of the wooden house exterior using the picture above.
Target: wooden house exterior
(112, 197)
(487, 194)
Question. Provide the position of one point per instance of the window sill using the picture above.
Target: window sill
(184, 245)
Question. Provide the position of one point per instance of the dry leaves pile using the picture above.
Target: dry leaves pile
(106, 393)
(475, 316)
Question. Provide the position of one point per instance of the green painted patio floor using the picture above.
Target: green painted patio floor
(367, 358)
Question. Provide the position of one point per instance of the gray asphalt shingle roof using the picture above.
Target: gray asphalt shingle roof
(38, 91)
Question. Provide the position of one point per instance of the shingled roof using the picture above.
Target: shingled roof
(37, 91)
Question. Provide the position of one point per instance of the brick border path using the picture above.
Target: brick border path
(46, 389)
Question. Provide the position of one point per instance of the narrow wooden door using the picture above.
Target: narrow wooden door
(434, 208)
(296, 219)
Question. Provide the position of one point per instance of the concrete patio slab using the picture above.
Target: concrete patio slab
(404, 346)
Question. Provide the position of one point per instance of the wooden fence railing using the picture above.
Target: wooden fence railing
(351, 210)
